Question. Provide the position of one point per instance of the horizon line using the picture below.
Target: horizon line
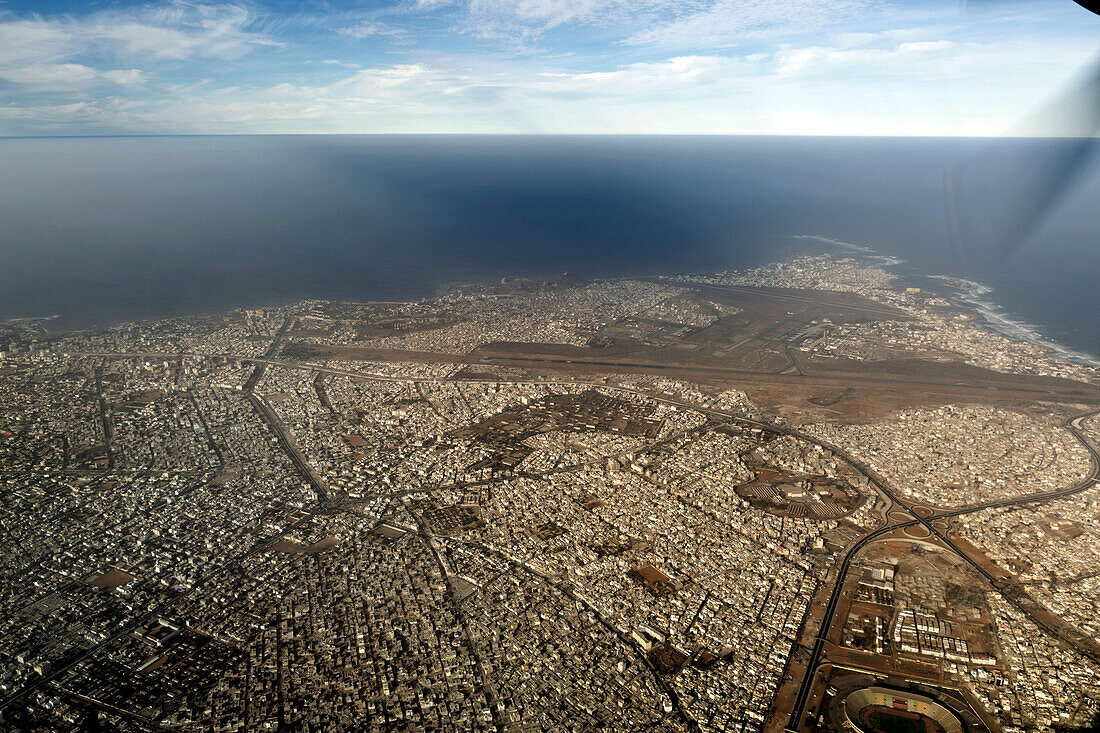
(545, 134)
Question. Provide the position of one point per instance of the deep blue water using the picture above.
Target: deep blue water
(102, 230)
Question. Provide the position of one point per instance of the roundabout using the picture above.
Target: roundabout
(917, 532)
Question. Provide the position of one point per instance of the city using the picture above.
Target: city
(756, 500)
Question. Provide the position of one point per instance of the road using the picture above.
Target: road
(105, 418)
(276, 426)
(826, 621)
(799, 709)
(271, 353)
(880, 485)
(926, 519)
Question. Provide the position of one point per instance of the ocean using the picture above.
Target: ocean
(104, 230)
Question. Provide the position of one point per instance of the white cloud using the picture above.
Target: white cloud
(51, 76)
(34, 40)
(66, 77)
(370, 29)
(178, 31)
(174, 31)
(425, 5)
(523, 21)
(798, 71)
(452, 94)
(682, 72)
(68, 53)
(540, 14)
(930, 86)
(941, 60)
(722, 22)
(125, 76)
(45, 118)
(674, 23)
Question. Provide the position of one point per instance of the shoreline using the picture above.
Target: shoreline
(969, 297)
(961, 293)
(992, 317)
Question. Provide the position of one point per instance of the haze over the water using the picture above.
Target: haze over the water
(103, 230)
(114, 229)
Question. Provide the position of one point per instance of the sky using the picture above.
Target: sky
(784, 67)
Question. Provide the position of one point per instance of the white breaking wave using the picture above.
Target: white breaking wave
(884, 259)
(837, 242)
(972, 295)
(994, 315)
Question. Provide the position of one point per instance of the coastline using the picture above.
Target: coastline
(991, 314)
(962, 294)
(967, 295)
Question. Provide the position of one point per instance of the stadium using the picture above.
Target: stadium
(879, 709)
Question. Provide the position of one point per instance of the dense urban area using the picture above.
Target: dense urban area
(800, 497)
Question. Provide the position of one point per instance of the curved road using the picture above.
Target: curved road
(798, 711)
(877, 482)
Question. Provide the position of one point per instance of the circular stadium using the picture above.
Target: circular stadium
(884, 710)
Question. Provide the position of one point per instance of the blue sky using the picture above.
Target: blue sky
(824, 67)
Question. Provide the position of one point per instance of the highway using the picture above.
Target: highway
(799, 709)
(268, 415)
(826, 621)
(272, 351)
(272, 420)
(1012, 594)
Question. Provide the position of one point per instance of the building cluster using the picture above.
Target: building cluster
(1053, 548)
(203, 549)
(935, 329)
(1043, 683)
(232, 523)
(466, 317)
(107, 552)
(959, 455)
(587, 485)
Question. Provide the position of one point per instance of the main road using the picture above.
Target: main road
(1089, 650)
(925, 519)
(805, 689)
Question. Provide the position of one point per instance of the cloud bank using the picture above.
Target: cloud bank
(513, 66)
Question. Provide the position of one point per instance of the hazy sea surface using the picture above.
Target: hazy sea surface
(102, 230)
